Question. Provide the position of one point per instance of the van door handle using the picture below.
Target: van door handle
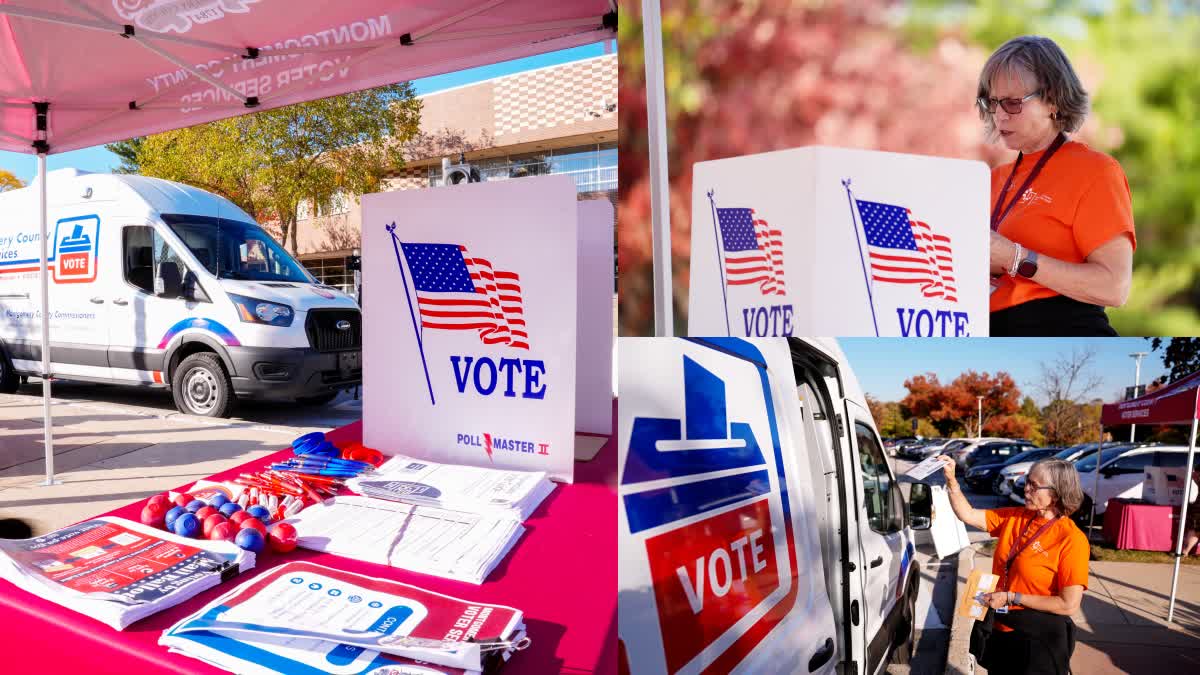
(821, 656)
(120, 301)
(97, 301)
(877, 562)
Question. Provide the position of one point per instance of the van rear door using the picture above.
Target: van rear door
(720, 566)
(885, 552)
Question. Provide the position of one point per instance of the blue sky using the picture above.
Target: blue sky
(882, 365)
(98, 159)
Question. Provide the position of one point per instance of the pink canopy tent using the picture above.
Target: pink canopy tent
(1176, 403)
(78, 73)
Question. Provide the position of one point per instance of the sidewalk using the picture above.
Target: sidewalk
(108, 456)
(1121, 622)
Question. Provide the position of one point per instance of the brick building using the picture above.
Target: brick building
(558, 119)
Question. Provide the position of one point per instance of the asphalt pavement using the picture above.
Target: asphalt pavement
(113, 445)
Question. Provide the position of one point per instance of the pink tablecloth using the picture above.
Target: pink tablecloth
(1142, 527)
(562, 574)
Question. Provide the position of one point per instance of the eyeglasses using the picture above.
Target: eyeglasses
(1030, 486)
(1012, 106)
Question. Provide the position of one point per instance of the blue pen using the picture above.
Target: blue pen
(326, 465)
(351, 463)
(315, 471)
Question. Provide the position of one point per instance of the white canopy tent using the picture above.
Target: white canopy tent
(78, 73)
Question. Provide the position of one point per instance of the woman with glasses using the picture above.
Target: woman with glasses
(1062, 221)
(1041, 560)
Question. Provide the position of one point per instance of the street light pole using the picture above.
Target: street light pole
(979, 431)
(1137, 380)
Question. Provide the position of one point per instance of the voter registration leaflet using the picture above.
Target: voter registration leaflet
(450, 544)
(927, 467)
(118, 571)
(456, 486)
(305, 618)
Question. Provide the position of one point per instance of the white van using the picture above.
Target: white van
(158, 284)
(761, 529)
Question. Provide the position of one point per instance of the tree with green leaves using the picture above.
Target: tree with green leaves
(271, 162)
(1180, 355)
(9, 181)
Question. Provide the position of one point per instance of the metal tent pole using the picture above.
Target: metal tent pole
(660, 196)
(1096, 483)
(47, 422)
(1187, 494)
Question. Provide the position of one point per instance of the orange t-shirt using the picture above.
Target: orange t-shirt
(1079, 201)
(1056, 559)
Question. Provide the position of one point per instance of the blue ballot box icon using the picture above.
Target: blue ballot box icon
(704, 441)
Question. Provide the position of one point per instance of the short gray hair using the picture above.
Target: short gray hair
(1062, 476)
(1039, 58)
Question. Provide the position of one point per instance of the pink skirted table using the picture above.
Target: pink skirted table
(562, 574)
(1141, 526)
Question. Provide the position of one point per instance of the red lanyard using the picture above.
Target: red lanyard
(1016, 550)
(997, 216)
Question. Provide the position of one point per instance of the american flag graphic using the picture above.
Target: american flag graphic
(753, 251)
(459, 292)
(904, 250)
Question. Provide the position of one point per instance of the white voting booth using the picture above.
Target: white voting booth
(833, 241)
(471, 301)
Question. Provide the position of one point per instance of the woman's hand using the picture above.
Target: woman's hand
(948, 466)
(996, 600)
(1002, 252)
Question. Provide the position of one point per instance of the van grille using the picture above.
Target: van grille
(323, 334)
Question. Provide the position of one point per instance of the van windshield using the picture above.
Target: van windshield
(232, 249)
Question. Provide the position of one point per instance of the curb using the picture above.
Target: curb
(958, 659)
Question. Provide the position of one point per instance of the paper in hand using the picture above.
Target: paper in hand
(979, 582)
(927, 466)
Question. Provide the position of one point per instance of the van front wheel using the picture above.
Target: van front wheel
(201, 386)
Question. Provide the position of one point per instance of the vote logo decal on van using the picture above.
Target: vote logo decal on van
(76, 248)
(719, 544)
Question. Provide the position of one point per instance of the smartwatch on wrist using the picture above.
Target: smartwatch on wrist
(1029, 265)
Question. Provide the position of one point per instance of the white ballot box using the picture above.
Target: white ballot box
(1164, 485)
(831, 241)
(472, 298)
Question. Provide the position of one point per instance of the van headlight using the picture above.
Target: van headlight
(253, 310)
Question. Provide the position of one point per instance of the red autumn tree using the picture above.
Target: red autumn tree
(955, 407)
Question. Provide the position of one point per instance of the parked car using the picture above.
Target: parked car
(1077, 451)
(800, 559)
(918, 450)
(1076, 455)
(1121, 474)
(960, 453)
(993, 452)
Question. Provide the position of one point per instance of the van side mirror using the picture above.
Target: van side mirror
(192, 290)
(168, 283)
(920, 506)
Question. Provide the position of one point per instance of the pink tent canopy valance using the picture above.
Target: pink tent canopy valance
(107, 70)
(1173, 404)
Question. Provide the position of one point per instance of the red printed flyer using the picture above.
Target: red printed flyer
(116, 570)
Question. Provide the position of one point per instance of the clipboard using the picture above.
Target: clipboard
(978, 582)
